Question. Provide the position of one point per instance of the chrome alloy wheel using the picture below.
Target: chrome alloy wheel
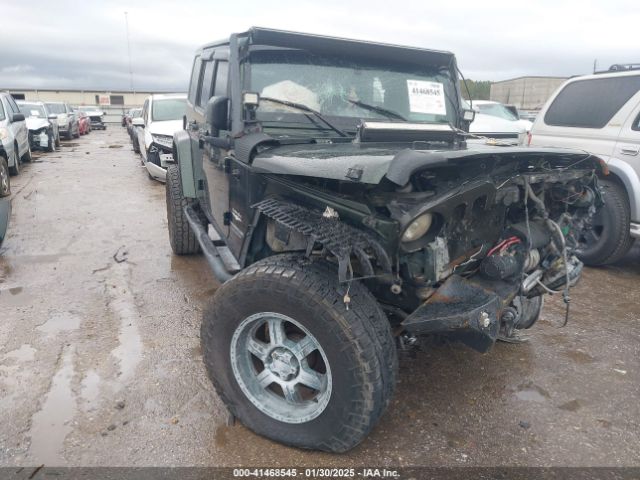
(280, 367)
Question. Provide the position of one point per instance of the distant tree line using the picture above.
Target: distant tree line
(479, 90)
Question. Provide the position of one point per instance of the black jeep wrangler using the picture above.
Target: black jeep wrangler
(352, 214)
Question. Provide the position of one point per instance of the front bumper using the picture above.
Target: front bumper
(39, 139)
(471, 310)
(97, 123)
(160, 155)
(158, 173)
(467, 310)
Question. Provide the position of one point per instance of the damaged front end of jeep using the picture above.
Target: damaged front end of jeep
(461, 243)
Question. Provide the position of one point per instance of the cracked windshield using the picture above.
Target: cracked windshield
(347, 90)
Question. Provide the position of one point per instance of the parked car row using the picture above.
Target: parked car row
(26, 126)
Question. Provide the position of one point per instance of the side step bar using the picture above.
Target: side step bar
(210, 251)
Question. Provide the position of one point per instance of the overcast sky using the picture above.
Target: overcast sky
(71, 44)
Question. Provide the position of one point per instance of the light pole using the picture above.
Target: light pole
(126, 22)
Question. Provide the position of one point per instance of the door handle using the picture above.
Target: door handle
(629, 150)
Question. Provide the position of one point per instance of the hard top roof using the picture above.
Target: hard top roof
(343, 46)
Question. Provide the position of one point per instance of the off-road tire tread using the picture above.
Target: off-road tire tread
(377, 357)
(183, 240)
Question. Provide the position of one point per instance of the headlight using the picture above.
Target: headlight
(417, 228)
(164, 140)
(3, 133)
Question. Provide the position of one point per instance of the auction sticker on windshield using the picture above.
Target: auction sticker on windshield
(426, 97)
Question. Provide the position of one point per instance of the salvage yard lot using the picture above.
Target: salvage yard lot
(100, 360)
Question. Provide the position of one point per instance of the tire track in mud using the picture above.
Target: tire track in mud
(121, 301)
(52, 423)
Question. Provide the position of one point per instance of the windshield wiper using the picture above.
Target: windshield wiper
(386, 112)
(304, 108)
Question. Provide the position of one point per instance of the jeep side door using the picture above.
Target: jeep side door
(212, 82)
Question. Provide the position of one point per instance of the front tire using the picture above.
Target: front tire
(283, 320)
(15, 169)
(5, 181)
(182, 239)
(609, 239)
(52, 143)
(27, 157)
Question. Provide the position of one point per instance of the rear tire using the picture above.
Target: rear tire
(354, 347)
(182, 239)
(610, 239)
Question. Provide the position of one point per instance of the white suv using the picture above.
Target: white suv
(600, 113)
(161, 117)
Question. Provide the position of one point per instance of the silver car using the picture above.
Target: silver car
(42, 125)
(67, 119)
(14, 135)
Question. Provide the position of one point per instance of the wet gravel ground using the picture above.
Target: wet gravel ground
(100, 363)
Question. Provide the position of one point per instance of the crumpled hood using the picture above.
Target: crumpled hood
(371, 163)
(165, 128)
(36, 123)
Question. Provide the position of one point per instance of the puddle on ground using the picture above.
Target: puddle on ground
(51, 425)
(571, 405)
(60, 322)
(122, 303)
(532, 393)
(11, 296)
(90, 390)
(25, 353)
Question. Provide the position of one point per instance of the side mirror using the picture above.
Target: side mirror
(52, 116)
(17, 117)
(216, 114)
(468, 115)
(137, 122)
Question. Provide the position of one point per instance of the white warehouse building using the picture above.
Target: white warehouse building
(526, 93)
